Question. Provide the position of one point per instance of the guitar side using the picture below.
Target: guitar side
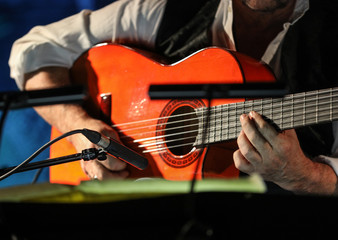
(142, 123)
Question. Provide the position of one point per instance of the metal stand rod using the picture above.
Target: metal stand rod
(87, 154)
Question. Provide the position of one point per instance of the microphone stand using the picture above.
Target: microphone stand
(86, 155)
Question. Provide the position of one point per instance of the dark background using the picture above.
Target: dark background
(25, 131)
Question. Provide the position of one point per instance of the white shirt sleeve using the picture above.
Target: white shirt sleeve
(333, 159)
(61, 43)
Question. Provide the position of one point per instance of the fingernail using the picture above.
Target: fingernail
(243, 116)
(252, 114)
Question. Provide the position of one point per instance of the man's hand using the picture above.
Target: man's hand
(95, 169)
(276, 156)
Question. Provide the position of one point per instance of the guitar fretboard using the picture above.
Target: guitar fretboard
(291, 111)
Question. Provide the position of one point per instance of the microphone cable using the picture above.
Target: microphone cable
(194, 227)
(40, 150)
(5, 110)
(110, 146)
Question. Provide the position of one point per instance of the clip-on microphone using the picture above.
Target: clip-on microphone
(116, 149)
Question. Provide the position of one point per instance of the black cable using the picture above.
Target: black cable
(204, 139)
(41, 149)
(193, 228)
(89, 134)
(3, 116)
(37, 175)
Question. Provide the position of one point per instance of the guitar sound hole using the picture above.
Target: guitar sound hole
(181, 130)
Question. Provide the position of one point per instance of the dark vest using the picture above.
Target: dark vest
(308, 52)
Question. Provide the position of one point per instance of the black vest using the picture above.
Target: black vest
(308, 52)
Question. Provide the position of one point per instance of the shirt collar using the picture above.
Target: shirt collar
(301, 7)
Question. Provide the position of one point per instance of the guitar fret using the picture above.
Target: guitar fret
(278, 112)
(285, 124)
(242, 107)
(233, 129)
(324, 112)
(211, 129)
(208, 124)
(215, 124)
(271, 110)
(200, 115)
(294, 110)
(304, 108)
(292, 113)
(281, 123)
(235, 112)
(310, 111)
(306, 99)
(217, 130)
(335, 106)
(227, 122)
(262, 107)
(225, 134)
(331, 106)
(317, 108)
(232, 115)
(221, 123)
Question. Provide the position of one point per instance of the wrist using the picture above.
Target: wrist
(317, 178)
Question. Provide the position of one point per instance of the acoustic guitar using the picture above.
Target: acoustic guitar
(169, 132)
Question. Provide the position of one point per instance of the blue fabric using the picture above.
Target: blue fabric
(24, 132)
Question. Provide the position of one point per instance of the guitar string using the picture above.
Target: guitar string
(151, 142)
(156, 149)
(219, 116)
(311, 120)
(167, 141)
(175, 146)
(279, 100)
(191, 143)
(217, 120)
(238, 106)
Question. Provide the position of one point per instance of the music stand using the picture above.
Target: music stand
(212, 91)
(24, 99)
(208, 92)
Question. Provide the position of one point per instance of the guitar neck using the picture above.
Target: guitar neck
(291, 111)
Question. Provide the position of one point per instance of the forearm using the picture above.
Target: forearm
(65, 117)
(318, 178)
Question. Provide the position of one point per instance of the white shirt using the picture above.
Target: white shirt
(128, 21)
(61, 43)
(124, 21)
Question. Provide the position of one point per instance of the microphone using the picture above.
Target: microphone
(116, 149)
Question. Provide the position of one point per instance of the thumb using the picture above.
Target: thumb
(109, 132)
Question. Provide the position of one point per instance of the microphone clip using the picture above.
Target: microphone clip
(93, 153)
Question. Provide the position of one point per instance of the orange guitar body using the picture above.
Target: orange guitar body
(127, 75)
